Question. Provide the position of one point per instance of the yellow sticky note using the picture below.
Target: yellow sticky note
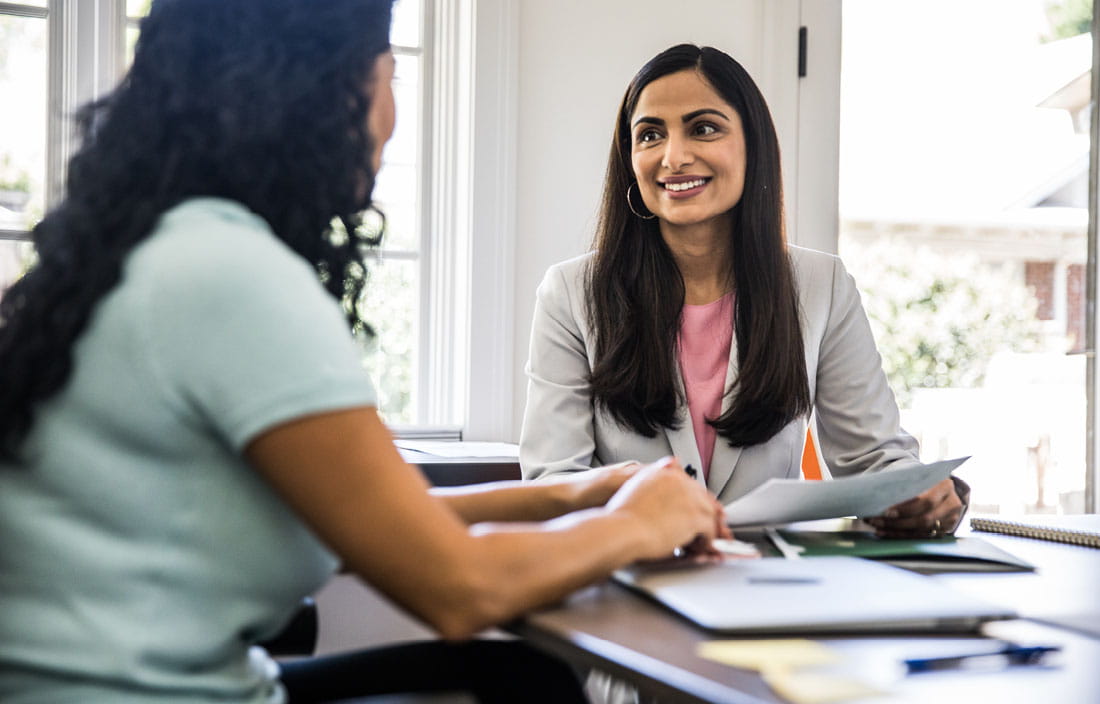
(766, 654)
(817, 687)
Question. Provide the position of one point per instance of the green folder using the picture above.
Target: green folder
(926, 555)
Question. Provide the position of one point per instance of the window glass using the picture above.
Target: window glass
(391, 305)
(403, 147)
(23, 85)
(15, 258)
(392, 298)
(405, 30)
(137, 8)
(395, 195)
(397, 189)
(964, 214)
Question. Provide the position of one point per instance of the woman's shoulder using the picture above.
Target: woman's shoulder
(805, 257)
(566, 275)
(213, 242)
(198, 223)
(573, 266)
(813, 267)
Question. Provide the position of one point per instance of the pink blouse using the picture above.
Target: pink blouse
(706, 333)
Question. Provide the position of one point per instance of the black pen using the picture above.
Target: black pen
(1009, 655)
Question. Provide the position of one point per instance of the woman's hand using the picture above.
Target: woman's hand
(596, 486)
(934, 513)
(672, 510)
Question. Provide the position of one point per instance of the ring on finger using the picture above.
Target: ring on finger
(936, 530)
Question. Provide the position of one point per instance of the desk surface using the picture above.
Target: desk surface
(456, 471)
(1064, 590)
(615, 630)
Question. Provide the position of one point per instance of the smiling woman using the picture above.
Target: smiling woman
(691, 166)
(693, 328)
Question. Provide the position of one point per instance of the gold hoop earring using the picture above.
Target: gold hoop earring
(631, 205)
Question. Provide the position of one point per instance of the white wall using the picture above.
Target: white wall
(575, 58)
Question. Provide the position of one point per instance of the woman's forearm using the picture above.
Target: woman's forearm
(507, 501)
(340, 472)
(535, 501)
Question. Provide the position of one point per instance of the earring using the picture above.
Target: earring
(631, 205)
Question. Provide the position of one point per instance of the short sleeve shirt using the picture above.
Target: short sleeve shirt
(142, 556)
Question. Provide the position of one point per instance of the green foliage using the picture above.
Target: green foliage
(939, 319)
(1068, 18)
(390, 305)
(13, 178)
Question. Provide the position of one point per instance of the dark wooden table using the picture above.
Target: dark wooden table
(610, 628)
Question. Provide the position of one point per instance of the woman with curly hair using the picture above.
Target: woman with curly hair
(189, 444)
(693, 328)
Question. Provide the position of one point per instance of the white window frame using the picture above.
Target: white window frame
(467, 352)
(85, 59)
(1092, 334)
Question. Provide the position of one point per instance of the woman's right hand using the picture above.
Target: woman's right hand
(672, 510)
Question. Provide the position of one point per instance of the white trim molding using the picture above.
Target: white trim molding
(445, 243)
(87, 57)
(469, 241)
(489, 391)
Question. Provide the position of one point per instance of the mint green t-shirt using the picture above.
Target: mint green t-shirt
(140, 556)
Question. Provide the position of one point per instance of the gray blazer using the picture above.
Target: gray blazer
(858, 424)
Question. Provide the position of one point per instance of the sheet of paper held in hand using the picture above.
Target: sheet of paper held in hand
(862, 495)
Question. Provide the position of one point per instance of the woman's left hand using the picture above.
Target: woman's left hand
(934, 513)
(595, 486)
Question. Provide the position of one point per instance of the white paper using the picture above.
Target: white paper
(869, 494)
(450, 448)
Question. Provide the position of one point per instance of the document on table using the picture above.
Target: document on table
(869, 494)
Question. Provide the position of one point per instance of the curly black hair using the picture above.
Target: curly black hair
(264, 102)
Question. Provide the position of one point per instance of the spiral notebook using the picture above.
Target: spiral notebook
(1076, 529)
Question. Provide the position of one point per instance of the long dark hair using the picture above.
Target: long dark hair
(636, 292)
(260, 101)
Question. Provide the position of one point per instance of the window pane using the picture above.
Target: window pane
(15, 257)
(135, 11)
(392, 299)
(964, 218)
(396, 196)
(132, 33)
(403, 146)
(397, 191)
(391, 305)
(23, 84)
(137, 8)
(405, 30)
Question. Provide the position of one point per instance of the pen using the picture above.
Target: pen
(1009, 655)
(785, 549)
